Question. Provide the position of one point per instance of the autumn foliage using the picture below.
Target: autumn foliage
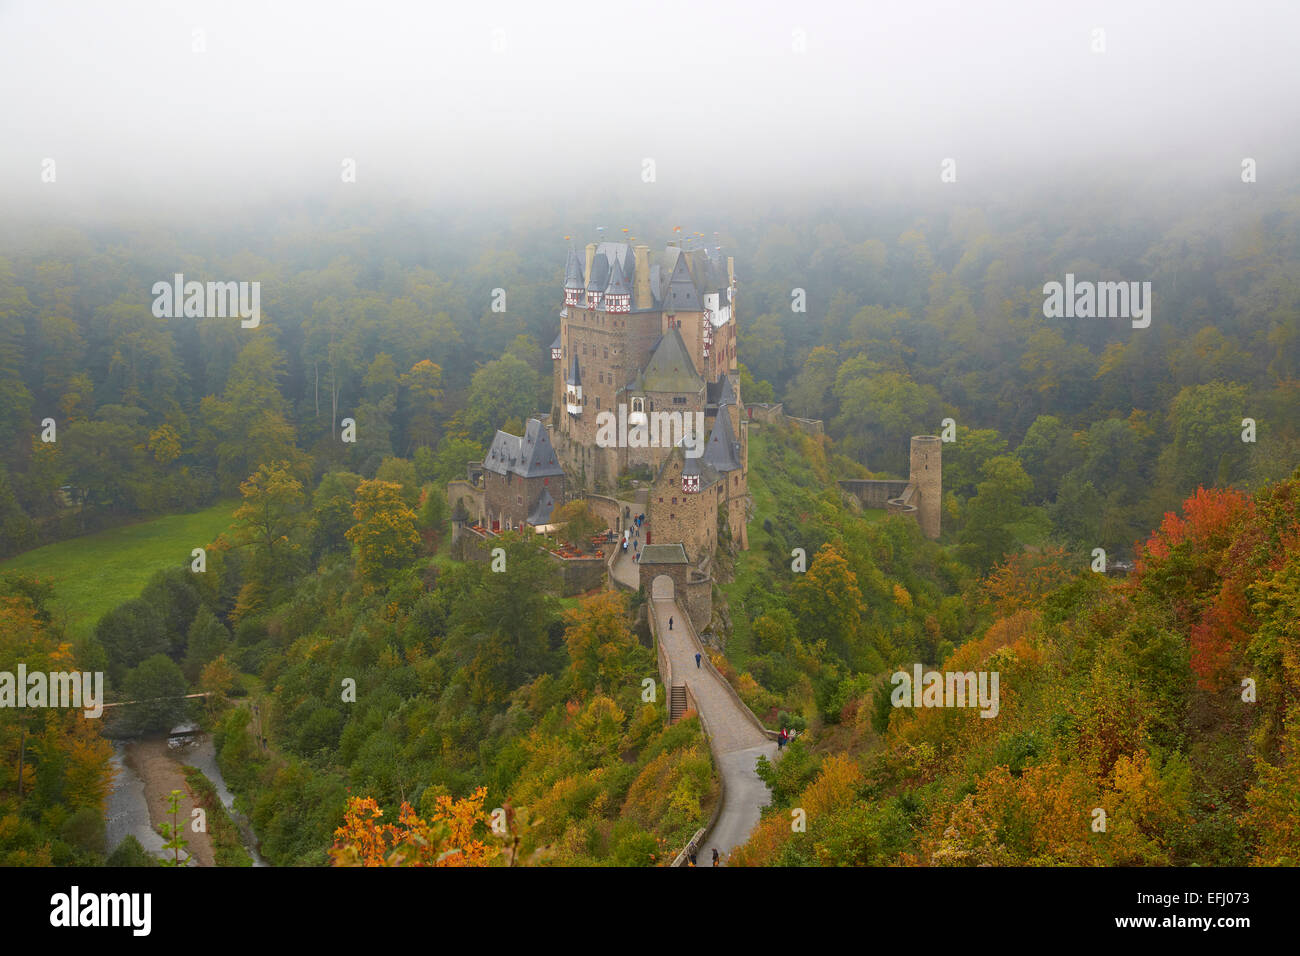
(447, 838)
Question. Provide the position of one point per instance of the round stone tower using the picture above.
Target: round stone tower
(926, 478)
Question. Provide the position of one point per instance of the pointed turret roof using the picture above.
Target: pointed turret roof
(573, 271)
(709, 475)
(722, 451)
(670, 368)
(682, 294)
(727, 394)
(618, 282)
(575, 374)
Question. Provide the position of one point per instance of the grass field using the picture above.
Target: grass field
(95, 573)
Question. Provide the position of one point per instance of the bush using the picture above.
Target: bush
(130, 853)
(792, 721)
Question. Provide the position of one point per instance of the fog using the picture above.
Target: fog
(173, 108)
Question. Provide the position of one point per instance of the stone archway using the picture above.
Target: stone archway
(662, 588)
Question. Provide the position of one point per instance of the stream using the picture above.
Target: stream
(128, 812)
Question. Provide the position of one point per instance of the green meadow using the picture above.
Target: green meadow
(95, 573)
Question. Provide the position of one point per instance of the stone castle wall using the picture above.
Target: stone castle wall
(921, 496)
(874, 493)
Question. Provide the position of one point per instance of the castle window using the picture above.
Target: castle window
(679, 400)
(674, 501)
(661, 500)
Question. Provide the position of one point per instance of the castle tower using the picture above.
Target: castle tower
(926, 478)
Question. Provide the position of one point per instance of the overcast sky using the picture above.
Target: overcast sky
(538, 98)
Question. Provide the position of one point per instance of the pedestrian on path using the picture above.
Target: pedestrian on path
(697, 661)
(716, 856)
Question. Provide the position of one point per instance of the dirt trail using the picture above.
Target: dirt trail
(160, 770)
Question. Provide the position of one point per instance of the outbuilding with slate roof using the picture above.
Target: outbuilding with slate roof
(523, 480)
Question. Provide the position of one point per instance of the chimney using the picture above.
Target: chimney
(641, 297)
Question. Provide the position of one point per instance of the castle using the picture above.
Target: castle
(646, 385)
(646, 341)
(648, 346)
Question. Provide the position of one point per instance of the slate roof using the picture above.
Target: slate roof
(722, 451)
(674, 284)
(727, 394)
(575, 373)
(682, 294)
(503, 456)
(709, 476)
(537, 456)
(557, 343)
(529, 457)
(599, 277)
(618, 282)
(573, 271)
(670, 368)
(542, 511)
(618, 253)
(663, 554)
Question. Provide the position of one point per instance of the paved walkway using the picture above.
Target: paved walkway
(626, 571)
(736, 741)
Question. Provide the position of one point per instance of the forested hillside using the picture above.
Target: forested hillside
(350, 658)
(1160, 705)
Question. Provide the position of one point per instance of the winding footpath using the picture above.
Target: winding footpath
(734, 735)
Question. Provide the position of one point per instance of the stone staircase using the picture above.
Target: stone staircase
(676, 702)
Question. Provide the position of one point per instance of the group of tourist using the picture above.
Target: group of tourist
(632, 537)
